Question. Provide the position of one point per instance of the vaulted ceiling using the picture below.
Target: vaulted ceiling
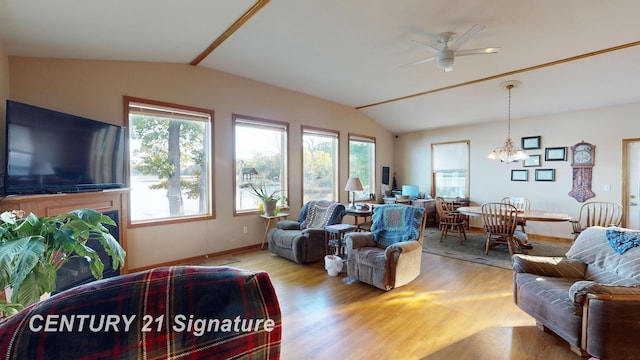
(569, 54)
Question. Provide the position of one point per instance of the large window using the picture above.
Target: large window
(450, 169)
(169, 161)
(260, 160)
(362, 161)
(319, 164)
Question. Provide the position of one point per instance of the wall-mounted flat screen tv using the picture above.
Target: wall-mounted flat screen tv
(52, 152)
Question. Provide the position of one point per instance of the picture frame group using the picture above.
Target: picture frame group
(530, 143)
(545, 174)
(555, 154)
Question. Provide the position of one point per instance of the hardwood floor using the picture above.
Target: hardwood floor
(453, 310)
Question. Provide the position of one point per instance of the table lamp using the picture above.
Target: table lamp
(353, 184)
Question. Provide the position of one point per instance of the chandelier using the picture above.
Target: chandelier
(509, 152)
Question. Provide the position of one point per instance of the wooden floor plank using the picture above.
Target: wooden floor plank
(453, 310)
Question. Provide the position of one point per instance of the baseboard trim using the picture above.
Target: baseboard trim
(198, 258)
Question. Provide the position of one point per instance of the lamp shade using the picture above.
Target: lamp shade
(353, 184)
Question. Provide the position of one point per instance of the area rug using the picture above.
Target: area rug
(474, 248)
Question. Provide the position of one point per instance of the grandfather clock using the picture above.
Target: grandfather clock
(582, 161)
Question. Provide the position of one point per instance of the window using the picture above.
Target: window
(169, 161)
(260, 159)
(319, 164)
(362, 161)
(450, 169)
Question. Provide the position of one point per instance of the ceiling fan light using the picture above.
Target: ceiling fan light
(444, 59)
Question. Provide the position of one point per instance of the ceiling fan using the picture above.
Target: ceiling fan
(445, 53)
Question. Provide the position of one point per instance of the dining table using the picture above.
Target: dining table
(528, 214)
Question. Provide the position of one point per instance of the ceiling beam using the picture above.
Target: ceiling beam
(510, 73)
(227, 33)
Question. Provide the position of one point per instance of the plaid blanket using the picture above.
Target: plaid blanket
(186, 312)
(320, 213)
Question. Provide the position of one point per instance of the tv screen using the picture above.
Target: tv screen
(50, 152)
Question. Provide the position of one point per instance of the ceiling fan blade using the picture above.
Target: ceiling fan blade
(419, 62)
(433, 49)
(489, 50)
(465, 37)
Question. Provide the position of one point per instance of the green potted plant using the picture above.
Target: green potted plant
(33, 248)
(269, 200)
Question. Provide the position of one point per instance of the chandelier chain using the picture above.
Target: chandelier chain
(509, 152)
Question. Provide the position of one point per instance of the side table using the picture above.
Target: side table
(334, 237)
(268, 220)
(356, 213)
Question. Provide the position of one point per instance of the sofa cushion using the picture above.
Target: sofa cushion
(592, 248)
(371, 256)
(545, 298)
(548, 266)
(288, 225)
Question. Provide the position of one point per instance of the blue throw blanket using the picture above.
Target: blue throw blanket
(622, 240)
(396, 223)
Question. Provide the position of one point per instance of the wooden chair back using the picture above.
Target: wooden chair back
(403, 199)
(500, 218)
(444, 206)
(521, 203)
(600, 213)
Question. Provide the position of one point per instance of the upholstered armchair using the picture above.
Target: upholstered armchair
(591, 296)
(390, 254)
(304, 241)
(177, 312)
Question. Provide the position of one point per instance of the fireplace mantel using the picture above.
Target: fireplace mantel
(54, 204)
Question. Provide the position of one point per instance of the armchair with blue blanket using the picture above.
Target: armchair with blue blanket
(304, 240)
(390, 254)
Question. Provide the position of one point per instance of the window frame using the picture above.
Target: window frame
(372, 166)
(258, 123)
(211, 213)
(311, 130)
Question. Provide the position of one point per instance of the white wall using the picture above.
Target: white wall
(94, 89)
(490, 179)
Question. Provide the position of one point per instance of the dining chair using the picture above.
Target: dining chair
(597, 213)
(403, 199)
(522, 204)
(500, 223)
(450, 219)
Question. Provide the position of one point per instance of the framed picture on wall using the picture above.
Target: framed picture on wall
(530, 143)
(533, 160)
(555, 154)
(545, 174)
(519, 175)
